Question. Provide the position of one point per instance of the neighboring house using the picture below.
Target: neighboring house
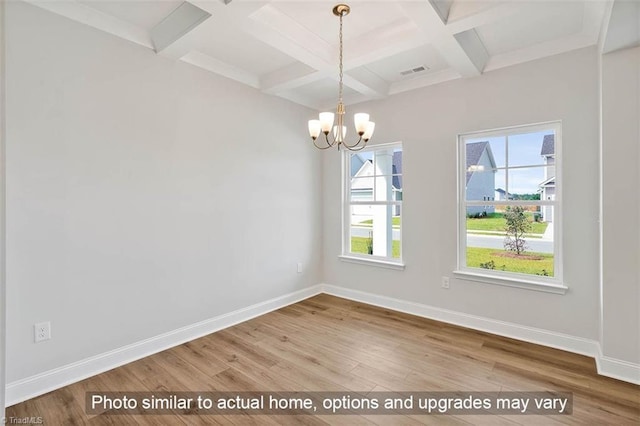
(501, 194)
(362, 182)
(481, 177)
(548, 185)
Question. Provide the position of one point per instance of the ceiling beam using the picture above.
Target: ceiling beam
(468, 15)
(442, 8)
(425, 80)
(622, 27)
(320, 60)
(290, 77)
(474, 50)
(178, 23)
(465, 54)
(366, 82)
(273, 27)
(396, 37)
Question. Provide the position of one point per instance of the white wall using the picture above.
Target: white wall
(621, 205)
(3, 299)
(563, 87)
(143, 194)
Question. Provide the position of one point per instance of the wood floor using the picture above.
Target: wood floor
(330, 344)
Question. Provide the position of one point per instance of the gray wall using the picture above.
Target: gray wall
(3, 299)
(143, 194)
(621, 205)
(562, 87)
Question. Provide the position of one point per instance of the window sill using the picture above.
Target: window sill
(511, 282)
(372, 262)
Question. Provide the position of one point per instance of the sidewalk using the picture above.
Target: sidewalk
(548, 233)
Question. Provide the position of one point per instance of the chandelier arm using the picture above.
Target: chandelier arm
(353, 147)
(329, 144)
(355, 144)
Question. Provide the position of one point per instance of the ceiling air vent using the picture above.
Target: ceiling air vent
(415, 70)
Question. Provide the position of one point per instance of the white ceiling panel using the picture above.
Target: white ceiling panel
(317, 17)
(144, 14)
(391, 69)
(325, 91)
(243, 51)
(547, 21)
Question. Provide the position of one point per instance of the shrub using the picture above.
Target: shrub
(517, 226)
(488, 265)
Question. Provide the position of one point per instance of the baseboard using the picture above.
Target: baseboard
(618, 369)
(501, 328)
(39, 384)
(610, 367)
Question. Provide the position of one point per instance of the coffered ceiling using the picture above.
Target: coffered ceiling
(290, 48)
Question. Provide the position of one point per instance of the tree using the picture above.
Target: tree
(517, 225)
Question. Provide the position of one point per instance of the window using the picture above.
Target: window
(509, 206)
(372, 205)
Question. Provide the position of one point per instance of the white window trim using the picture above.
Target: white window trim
(365, 259)
(553, 284)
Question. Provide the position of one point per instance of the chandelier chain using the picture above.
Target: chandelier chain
(341, 72)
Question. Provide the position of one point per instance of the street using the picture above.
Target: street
(539, 245)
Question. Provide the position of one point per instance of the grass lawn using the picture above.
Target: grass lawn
(395, 222)
(359, 245)
(496, 222)
(476, 256)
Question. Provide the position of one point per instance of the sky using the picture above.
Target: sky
(524, 150)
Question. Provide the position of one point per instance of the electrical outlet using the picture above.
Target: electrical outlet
(445, 282)
(299, 267)
(42, 331)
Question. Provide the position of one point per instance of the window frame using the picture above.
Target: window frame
(346, 204)
(553, 284)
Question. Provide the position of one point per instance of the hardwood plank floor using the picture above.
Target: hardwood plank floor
(330, 344)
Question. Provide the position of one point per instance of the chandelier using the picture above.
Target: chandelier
(324, 124)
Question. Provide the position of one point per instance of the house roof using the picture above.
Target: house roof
(549, 182)
(364, 168)
(501, 191)
(397, 170)
(474, 153)
(356, 164)
(548, 146)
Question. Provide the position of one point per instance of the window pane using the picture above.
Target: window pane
(486, 150)
(375, 230)
(530, 149)
(485, 185)
(525, 184)
(374, 179)
(362, 189)
(492, 242)
(358, 161)
(383, 188)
